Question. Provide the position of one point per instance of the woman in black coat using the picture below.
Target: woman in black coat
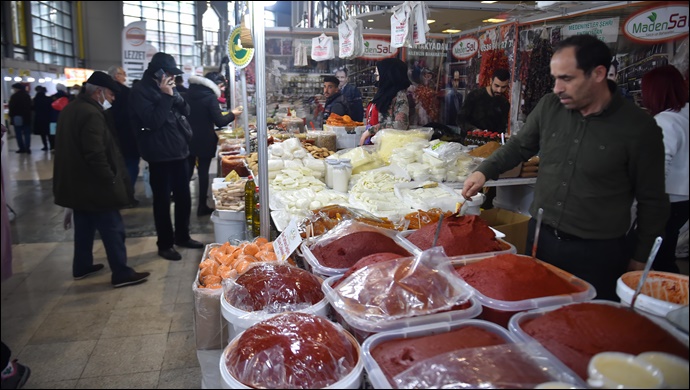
(42, 113)
(205, 116)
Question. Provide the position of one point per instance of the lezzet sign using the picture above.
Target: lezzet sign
(658, 24)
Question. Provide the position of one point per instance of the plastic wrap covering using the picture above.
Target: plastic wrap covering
(458, 236)
(292, 351)
(321, 220)
(348, 242)
(680, 60)
(399, 288)
(210, 331)
(363, 158)
(506, 366)
(273, 288)
(422, 218)
(387, 140)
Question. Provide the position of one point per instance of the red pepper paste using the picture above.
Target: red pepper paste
(459, 236)
(345, 251)
(575, 333)
(365, 261)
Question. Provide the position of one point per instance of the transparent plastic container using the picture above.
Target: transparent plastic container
(378, 378)
(500, 312)
(363, 331)
(353, 380)
(510, 248)
(665, 283)
(318, 269)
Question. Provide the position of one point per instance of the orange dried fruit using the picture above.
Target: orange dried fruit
(242, 266)
(260, 241)
(213, 286)
(206, 263)
(250, 249)
(211, 279)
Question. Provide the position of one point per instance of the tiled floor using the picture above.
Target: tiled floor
(86, 334)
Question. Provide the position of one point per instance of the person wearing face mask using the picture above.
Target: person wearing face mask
(89, 177)
(598, 152)
(487, 108)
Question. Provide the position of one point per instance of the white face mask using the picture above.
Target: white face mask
(106, 104)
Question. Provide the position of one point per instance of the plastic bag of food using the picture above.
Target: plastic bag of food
(386, 140)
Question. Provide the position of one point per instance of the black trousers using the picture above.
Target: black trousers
(599, 262)
(166, 177)
(202, 171)
(666, 257)
(6, 354)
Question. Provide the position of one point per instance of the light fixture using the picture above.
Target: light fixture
(8, 78)
(17, 78)
(451, 31)
(370, 20)
(49, 79)
(268, 3)
(493, 20)
(41, 81)
(31, 79)
(489, 2)
(429, 21)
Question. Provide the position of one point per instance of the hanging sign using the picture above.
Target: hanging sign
(378, 48)
(657, 24)
(465, 48)
(134, 50)
(604, 29)
(431, 48)
(239, 56)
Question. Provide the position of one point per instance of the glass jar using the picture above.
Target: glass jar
(341, 180)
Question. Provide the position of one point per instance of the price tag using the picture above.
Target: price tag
(287, 241)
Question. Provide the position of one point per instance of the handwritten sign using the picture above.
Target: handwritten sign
(287, 241)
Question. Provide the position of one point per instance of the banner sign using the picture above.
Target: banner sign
(604, 29)
(134, 50)
(657, 24)
(378, 47)
(432, 48)
(239, 56)
(465, 48)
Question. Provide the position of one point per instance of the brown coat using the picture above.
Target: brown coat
(89, 172)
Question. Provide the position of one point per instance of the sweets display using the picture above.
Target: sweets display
(510, 277)
(574, 333)
(292, 350)
(273, 287)
(227, 261)
(396, 356)
(345, 251)
(460, 235)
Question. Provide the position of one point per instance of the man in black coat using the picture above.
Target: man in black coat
(158, 114)
(202, 98)
(336, 103)
(20, 116)
(42, 112)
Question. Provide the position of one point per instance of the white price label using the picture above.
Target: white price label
(287, 241)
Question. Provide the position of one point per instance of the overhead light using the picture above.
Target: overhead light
(429, 21)
(493, 20)
(8, 78)
(370, 20)
(31, 79)
(17, 78)
(268, 3)
(41, 80)
(451, 31)
(489, 2)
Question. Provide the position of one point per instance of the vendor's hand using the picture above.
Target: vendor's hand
(67, 219)
(167, 84)
(635, 265)
(473, 184)
(237, 111)
(363, 138)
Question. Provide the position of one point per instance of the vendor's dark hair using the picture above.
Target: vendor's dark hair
(590, 52)
(331, 79)
(392, 78)
(501, 74)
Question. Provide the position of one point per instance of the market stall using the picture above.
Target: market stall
(342, 226)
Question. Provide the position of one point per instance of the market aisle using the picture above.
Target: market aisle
(85, 334)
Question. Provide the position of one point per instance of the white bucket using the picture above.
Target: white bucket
(353, 380)
(227, 230)
(241, 320)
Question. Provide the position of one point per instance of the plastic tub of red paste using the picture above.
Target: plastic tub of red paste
(515, 325)
(661, 293)
(500, 311)
(361, 332)
(378, 378)
(508, 248)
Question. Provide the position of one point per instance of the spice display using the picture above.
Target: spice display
(458, 236)
(537, 84)
(345, 120)
(492, 60)
(345, 251)
(485, 150)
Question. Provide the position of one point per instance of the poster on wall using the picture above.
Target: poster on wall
(426, 70)
(604, 29)
(136, 53)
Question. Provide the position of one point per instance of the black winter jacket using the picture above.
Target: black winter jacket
(125, 133)
(203, 97)
(157, 121)
(20, 105)
(42, 113)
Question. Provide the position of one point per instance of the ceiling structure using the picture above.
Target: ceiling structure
(471, 15)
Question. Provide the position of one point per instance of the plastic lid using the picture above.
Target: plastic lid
(332, 161)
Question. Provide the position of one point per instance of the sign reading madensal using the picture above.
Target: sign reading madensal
(134, 50)
(465, 48)
(378, 48)
(604, 29)
(658, 24)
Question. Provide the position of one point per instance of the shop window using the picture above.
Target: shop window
(52, 32)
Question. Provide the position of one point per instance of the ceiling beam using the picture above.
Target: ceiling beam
(455, 5)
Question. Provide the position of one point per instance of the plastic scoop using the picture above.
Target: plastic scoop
(537, 231)
(645, 273)
(417, 258)
(426, 185)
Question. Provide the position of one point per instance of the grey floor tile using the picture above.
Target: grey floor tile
(68, 384)
(47, 281)
(126, 355)
(22, 303)
(9, 285)
(156, 291)
(16, 332)
(62, 326)
(58, 361)
(137, 321)
(92, 294)
(139, 380)
(185, 294)
(180, 351)
(183, 317)
(25, 257)
(183, 378)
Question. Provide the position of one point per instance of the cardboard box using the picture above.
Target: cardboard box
(513, 225)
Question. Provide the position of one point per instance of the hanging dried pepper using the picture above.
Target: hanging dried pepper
(492, 60)
(538, 82)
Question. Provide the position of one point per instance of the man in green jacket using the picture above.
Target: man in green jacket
(89, 176)
(598, 152)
